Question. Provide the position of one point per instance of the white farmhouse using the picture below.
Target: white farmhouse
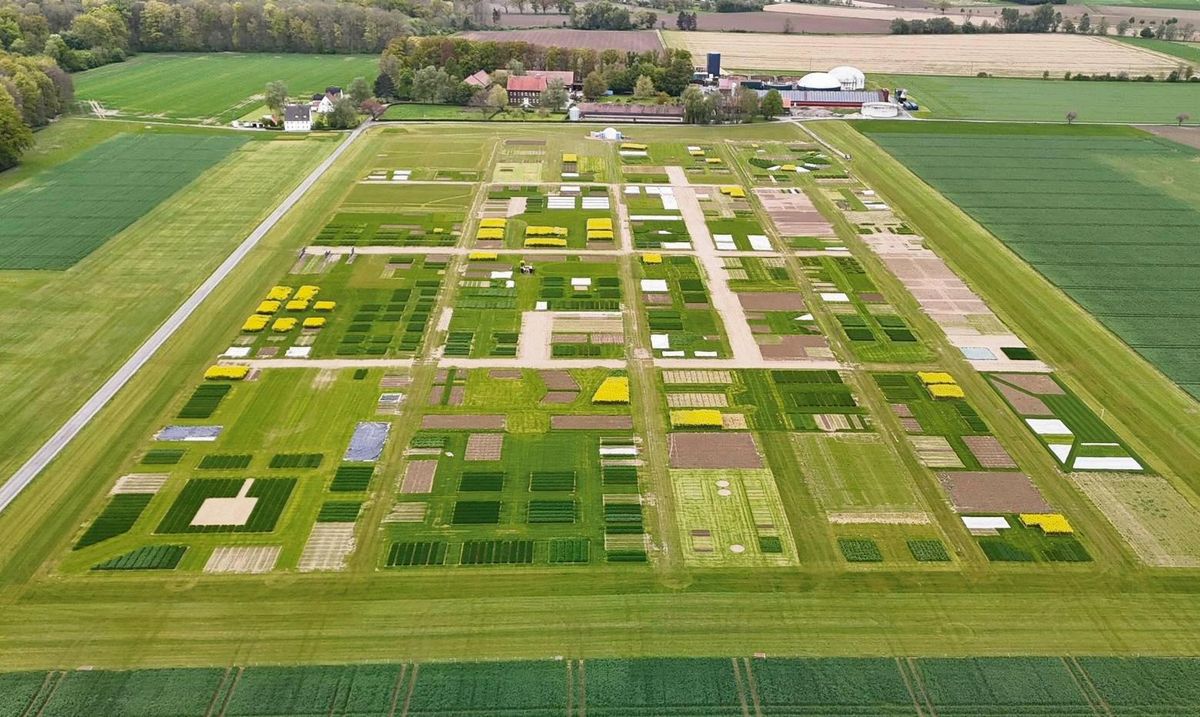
(297, 118)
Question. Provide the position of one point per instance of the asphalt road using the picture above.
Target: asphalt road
(20, 480)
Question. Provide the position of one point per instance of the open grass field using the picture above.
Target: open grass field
(215, 87)
(960, 55)
(1008, 99)
(465, 487)
(81, 322)
(1113, 228)
(1186, 51)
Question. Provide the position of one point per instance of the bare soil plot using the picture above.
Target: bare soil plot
(558, 380)
(978, 492)
(988, 451)
(1036, 383)
(411, 512)
(418, 477)
(1183, 135)
(484, 447)
(1010, 55)
(560, 397)
(592, 423)
(139, 483)
(328, 546)
(794, 347)
(467, 422)
(793, 213)
(1161, 526)
(714, 450)
(697, 400)
(772, 301)
(505, 374)
(243, 559)
(686, 376)
(1024, 404)
(635, 41)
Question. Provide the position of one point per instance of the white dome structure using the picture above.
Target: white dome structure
(850, 78)
(819, 81)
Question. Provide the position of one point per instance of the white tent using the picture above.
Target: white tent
(608, 133)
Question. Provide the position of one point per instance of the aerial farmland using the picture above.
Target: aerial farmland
(842, 417)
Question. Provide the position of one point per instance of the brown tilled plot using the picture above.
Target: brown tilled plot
(1033, 382)
(560, 397)
(978, 492)
(794, 347)
(504, 374)
(484, 447)
(772, 301)
(596, 423)
(1025, 404)
(794, 213)
(988, 451)
(418, 477)
(558, 380)
(467, 422)
(714, 450)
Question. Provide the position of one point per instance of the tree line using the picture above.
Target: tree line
(1043, 19)
(33, 90)
(80, 34)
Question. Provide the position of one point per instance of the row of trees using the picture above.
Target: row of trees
(80, 34)
(700, 107)
(33, 90)
(1043, 19)
(605, 15)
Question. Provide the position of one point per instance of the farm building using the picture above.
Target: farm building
(526, 89)
(480, 80)
(297, 118)
(850, 78)
(795, 99)
(323, 103)
(605, 112)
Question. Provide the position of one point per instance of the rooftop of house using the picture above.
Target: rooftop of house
(297, 113)
(526, 83)
(618, 110)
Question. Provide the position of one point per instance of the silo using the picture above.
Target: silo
(714, 64)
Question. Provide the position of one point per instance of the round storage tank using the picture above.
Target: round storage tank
(819, 81)
(850, 78)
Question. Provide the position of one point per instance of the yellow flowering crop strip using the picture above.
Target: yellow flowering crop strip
(284, 325)
(314, 322)
(256, 322)
(307, 292)
(226, 373)
(482, 256)
(946, 390)
(931, 377)
(545, 241)
(493, 223)
(324, 305)
(696, 418)
(1050, 523)
(279, 293)
(613, 390)
(267, 307)
(297, 305)
(489, 233)
(652, 258)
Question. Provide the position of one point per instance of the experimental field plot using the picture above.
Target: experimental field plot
(874, 328)
(790, 163)
(71, 210)
(568, 216)
(520, 467)
(1101, 212)
(241, 470)
(701, 163)
(398, 215)
(678, 310)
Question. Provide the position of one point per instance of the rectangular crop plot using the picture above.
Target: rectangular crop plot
(618, 688)
(1003, 685)
(69, 211)
(533, 688)
(270, 496)
(417, 553)
(116, 519)
(476, 512)
(149, 557)
(497, 552)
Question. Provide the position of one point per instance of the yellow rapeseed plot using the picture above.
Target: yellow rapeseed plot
(928, 377)
(279, 293)
(297, 305)
(226, 373)
(256, 322)
(545, 241)
(633, 146)
(1050, 523)
(284, 325)
(482, 256)
(599, 223)
(696, 152)
(540, 231)
(307, 291)
(267, 307)
(314, 322)
(734, 191)
(696, 418)
(651, 258)
(569, 158)
(712, 160)
(946, 390)
(599, 234)
(788, 167)
(489, 233)
(324, 305)
(493, 223)
(614, 389)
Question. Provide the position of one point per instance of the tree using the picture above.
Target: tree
(276, 96)
(554, 97)
(373, 107)
(645, 19)
(594, 85)
(15, 135)
(771, 105)
(686, 20)
(1146, 33)
(1071, 116)
(497, 99)
(359, 91)
(431, 84)
(516, 67)
(385, 87)
(344, 114)
(746, 103)
(1182, 117)
(695, 106)
(644, 88)
(1122, 28)
(1102, 26)
(1085, 24)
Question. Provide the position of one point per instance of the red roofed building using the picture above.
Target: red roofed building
(525, 89)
